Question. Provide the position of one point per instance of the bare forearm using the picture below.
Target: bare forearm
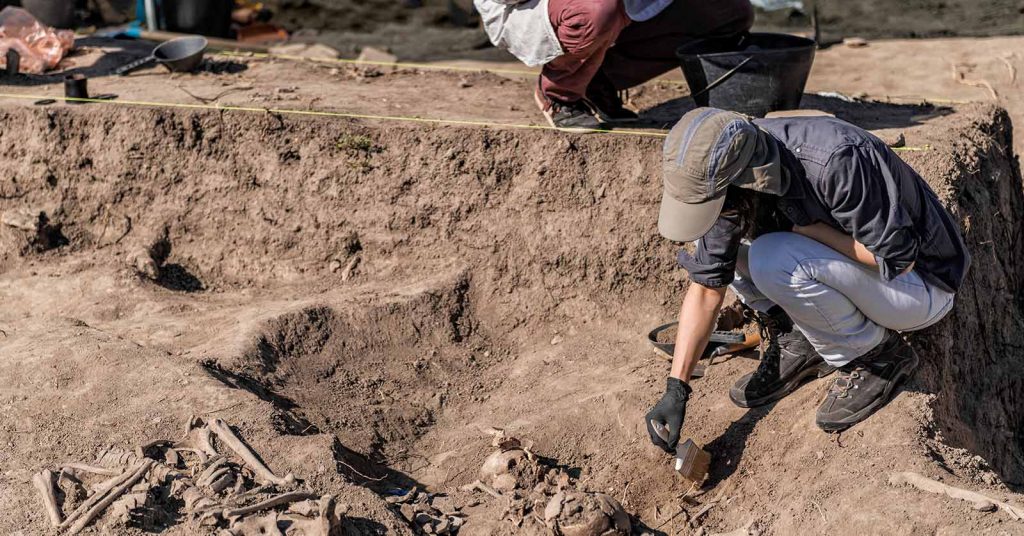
(697, 319)
(839, 241)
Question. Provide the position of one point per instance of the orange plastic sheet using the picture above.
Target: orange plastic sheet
(41, 47)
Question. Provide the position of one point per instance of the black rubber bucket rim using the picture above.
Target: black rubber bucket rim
(761, 52)
(689, 55)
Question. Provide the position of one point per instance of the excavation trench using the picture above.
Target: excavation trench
(500, 278)
(373, 374)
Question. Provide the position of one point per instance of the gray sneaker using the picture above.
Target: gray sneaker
(867, 383)
(567, 116)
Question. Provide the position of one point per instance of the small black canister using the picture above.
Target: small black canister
(76, 87)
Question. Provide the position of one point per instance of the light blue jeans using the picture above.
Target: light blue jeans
(842, 306)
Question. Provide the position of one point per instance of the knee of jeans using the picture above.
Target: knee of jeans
(772, 263)
(588, 23)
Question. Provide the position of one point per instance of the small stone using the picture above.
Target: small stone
(26, 220)
(855, 42)
(305, 50)
(899, 141)
(985, 506)
(376, 55)
(350, 269)
(556, 340)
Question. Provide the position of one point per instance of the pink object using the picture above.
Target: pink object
(598, 35)
(41, 47)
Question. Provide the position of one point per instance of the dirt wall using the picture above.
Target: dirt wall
(548, 227)
(971, 356)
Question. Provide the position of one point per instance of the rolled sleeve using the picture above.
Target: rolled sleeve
(713, 262)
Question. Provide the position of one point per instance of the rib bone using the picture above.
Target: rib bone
(109, 497)
(285, 498)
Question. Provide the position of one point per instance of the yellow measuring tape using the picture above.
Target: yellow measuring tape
(397, 64)
(319, 113)
(346, 115)
(516, 72)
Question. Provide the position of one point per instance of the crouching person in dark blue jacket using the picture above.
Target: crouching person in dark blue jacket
(835, 243)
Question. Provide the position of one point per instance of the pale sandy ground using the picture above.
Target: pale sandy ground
(912, 70)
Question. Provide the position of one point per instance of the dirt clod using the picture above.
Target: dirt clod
(25, 231)
(585, 514)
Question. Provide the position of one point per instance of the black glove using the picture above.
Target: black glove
(669, 412)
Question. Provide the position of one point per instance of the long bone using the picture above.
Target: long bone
(109, 497)
(262, 472)
(43, 482)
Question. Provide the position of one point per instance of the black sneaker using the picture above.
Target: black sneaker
(607, 101)
(567, 116)
(787, 361)
(798, 362)
(867, 384)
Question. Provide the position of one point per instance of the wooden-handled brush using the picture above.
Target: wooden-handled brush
(691, 461)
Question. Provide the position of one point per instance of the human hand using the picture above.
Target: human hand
(669, 413)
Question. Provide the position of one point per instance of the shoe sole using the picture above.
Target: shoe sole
(547, 116)
(887, 396)
(611, 121)
(820, 370)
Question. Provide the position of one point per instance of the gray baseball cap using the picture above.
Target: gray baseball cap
(706, 151)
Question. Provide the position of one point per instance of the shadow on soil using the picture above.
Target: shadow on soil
(113, 58)
(730, 446)
(176, 277)
(289, 420)
(869, 115)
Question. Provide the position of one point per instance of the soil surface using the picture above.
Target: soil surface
(445, 29)
(368, 301)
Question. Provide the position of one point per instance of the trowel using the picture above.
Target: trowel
(691, 461)
(720, 343)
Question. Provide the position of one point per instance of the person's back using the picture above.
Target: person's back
(583, 73)
(842, 161)
(833, 243)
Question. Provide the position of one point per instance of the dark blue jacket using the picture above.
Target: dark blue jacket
(846, 177)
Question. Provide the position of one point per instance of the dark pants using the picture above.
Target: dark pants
(588, 29)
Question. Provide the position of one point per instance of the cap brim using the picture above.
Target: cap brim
(686, 222)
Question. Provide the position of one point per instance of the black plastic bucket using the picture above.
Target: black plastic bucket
(752, 74)
(201, 17)
(56, 13)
